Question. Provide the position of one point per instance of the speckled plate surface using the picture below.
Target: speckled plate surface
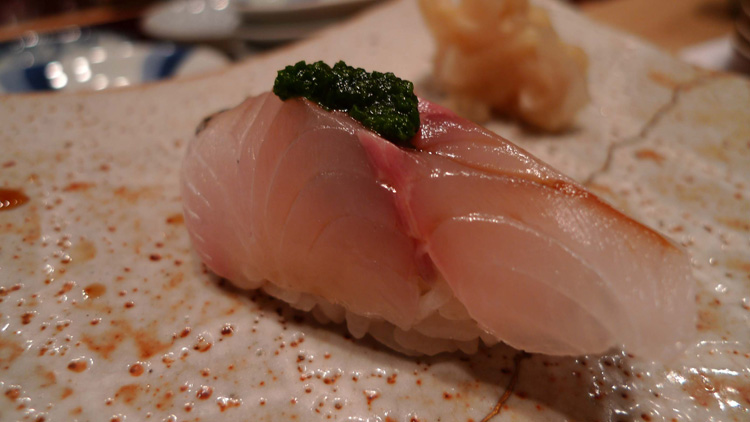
(106, 314)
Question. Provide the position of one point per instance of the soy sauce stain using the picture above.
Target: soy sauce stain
(12, 198)
(204, 392)
(136, 369)
(77, 365)
(94, 290)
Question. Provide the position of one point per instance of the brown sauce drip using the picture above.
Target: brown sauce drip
(12, 198)
(94, 290)
(509, 389)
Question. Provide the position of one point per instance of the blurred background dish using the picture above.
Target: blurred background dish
(271, 33)
(728, 52)
(85, 59)
(700, 32)
(98, 44)
(741, 39)
(264, 22)
(298, 10)
(278, 21)
(191, 20)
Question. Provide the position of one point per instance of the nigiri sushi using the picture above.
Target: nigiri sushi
(457, 237)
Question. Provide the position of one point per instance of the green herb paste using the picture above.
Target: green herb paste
(380, 101)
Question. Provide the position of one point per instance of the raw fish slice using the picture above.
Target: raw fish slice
(289, 196)
(538, 261)
(211, 190)
(444, 133)
(467, 230)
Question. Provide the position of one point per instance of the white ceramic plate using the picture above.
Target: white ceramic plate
(106, 313)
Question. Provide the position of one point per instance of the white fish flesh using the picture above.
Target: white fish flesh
(464, 237)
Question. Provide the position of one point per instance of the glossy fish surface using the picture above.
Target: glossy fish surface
(308, 201)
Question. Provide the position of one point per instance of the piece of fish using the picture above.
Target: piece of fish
(464, 237)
